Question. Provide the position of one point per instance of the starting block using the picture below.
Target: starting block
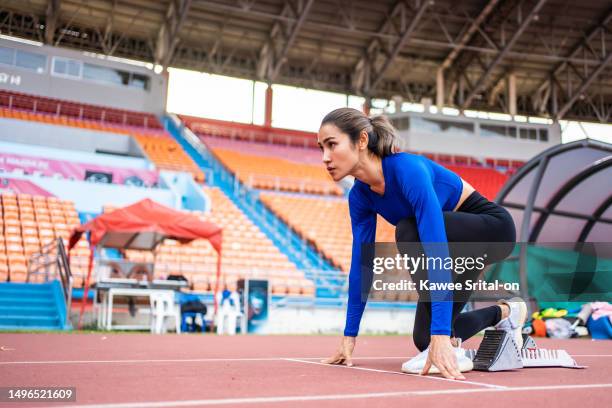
(548, 358)
(499, 352)
(528, 342)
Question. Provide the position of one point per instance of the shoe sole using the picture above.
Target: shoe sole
(518, 332)
(464, 366)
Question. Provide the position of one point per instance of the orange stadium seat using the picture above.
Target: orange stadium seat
(325, 222)
(49, 108)
(28, 226)
(247, 252)
(278, 174)
(163, 151)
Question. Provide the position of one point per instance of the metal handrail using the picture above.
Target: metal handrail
(328, 187)
(52, 261)
(250, 198)
(39, 263)
(84, 112)
(65, 276)
(275, 137)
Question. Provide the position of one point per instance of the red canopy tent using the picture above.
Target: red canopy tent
(144, 225)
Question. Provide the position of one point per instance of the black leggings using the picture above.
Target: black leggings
(476, 220)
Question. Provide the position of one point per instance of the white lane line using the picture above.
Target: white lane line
(398, 373)
(184, 360)
(145, 361)
(334, 397)
(204, 360)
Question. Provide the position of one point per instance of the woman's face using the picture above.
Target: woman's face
(340, 155)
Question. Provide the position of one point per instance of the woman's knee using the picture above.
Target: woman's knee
(505, 239)
(498, 251)
(507, 229)
(421, 340)
(422, 321)
(406, 230)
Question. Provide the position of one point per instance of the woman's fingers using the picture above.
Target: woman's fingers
(453, 368)
(425, 370)
(446, 369)
(333, 359)
(454, 371)
(337, 360)
(447, 372)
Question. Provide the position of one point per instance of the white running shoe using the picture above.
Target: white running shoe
(416, 364)
(516, 320)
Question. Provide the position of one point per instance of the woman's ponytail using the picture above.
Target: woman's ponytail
(386, 136)
(382, 137)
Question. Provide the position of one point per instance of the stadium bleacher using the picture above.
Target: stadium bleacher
(156, 143)
(31, 222)
(284, 165)
(290, 167)
(271, 164)
(248, 132)
(277, 174)
(487, 181)
(324, 222)
(247, 252)
(28, 224)
(57, 107)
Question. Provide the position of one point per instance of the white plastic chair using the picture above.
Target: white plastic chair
(163, 306)
(228, 312)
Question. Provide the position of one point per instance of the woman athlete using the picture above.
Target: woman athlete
(428, 204)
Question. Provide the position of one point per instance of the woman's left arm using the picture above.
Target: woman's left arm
(416, 185)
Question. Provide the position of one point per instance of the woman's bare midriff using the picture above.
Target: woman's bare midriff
(465, 193)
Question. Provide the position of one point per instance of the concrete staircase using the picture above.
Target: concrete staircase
(32, 306)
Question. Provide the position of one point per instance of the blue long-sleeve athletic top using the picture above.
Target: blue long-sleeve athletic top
(414, 187)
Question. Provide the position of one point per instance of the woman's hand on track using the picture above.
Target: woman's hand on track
(344, 355)
(442, 355)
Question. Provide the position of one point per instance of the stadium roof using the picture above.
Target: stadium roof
(555, 54)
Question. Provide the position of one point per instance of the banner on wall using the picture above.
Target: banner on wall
(77, 171)
(17, 186)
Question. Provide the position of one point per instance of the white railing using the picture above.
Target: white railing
(70, 109)
(275, 137)
(304, 185)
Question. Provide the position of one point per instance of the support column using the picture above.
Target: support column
(461, 92)
(253, 102)
(554, 98)
(397, 103)
(268, 116)
(440, 89)
(166, 76)
(511, 92)
(367, 104)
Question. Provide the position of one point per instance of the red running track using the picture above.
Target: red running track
(141, 370)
